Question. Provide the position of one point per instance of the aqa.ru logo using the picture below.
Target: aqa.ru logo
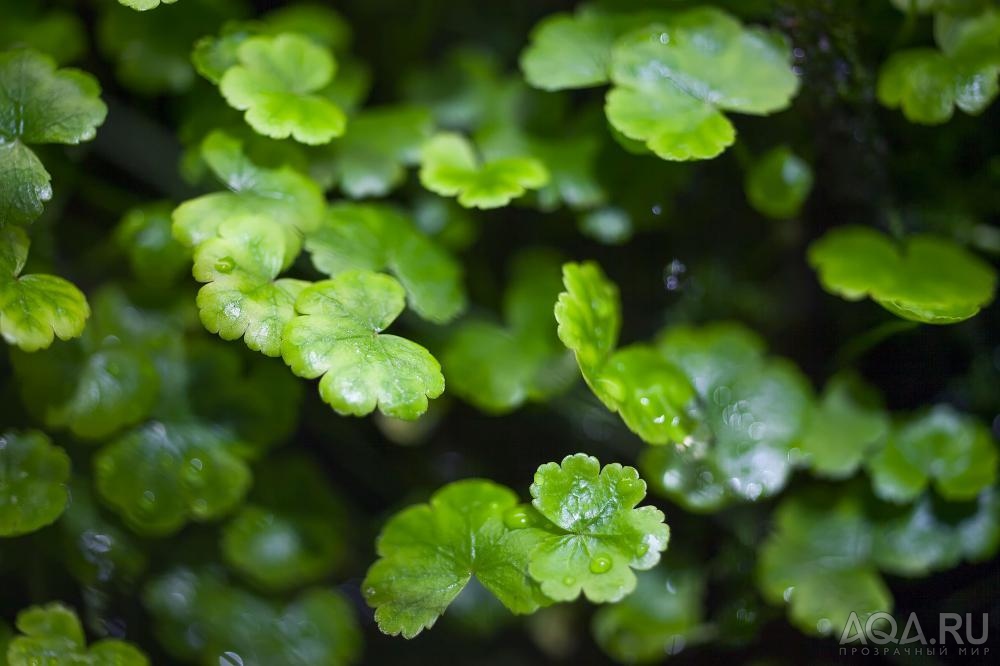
(880, 635)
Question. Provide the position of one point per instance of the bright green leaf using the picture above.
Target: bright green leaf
(449, 167)
(378, 237)
(277, 82)
(33, 482)
(953, 451)
(160, 476)
(52, 634)
(601, 536)
(35, 309)
(429, 552)
(143, 5)
(283, 197)
(39, 104)
(673, 80)
(338, 336)
(241, 297)
(925, 278)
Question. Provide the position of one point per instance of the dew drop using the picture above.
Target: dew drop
(642, 549)
(516, 518)
(230, 659)
(225, 265)
(600, 564)
(568, 580)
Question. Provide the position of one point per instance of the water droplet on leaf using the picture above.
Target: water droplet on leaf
(600, 564)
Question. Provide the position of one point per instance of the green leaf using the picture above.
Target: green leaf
(661, 617)
(154, 256)
(277, 83)
(52, 634)
(497, 368)
(843, 428)
(601, 536)
(33, 477)
(160, 476)
(927, 85)
(39, 104)
(109, 378)
(291, 531)
(370, 160)
(953, 451)
(778, 183)
(752, 411)
(818, 562)
(429, 552)
(574, 50)
(36, 308)
(378, 237)
(338, 336)
(926, 278)
(58, 32)
(672, 81)
(242, 298)
(201, 618)
(449, 167)
(651, 394)
(283, 197)
(143, 5)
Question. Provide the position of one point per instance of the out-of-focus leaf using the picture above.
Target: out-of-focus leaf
(52, 634)
(778, 183)
(33, 482)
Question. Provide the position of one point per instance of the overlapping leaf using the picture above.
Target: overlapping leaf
(52, 634)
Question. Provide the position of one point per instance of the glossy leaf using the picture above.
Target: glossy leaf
(378, 237)
(952, 451)
(283, 197)
(277, 83)
(429, 552)
(162, 475)
(338, 337)
(498, 368)
(35, 308)
(52, 634)
(925, 278)
(39, 104)
(601, 536)
(242, 297)
(672, 81)
(33, 482)
(449, 167)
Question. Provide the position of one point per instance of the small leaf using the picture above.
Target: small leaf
(33, 482)
(292, 529)
(661, 617)
(371, 158)
(52, 634)
(449, 167)
(35, 309)
(378, 237)
(818, 562)
(927, 279)
(283, 197)
(160, 476)
(154, 256)
(778, 183)
(429, 552)
(843, 428)
(143, 5)
(589, 315)
(338, 336)
(953, 451)
(601, 535)
(39, 104)
(277, 83)
(200, 618)
(242, 298)
(498, 368)
(672, 80)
